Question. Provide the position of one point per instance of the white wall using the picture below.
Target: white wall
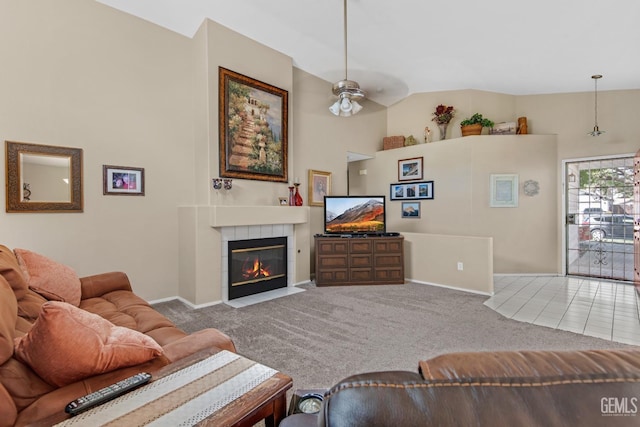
(523, 237)
(77, 73)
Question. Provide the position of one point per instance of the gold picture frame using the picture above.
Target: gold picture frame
(253, 128)
(319, 186)
(30, 187)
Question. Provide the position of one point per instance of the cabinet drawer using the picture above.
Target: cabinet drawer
(361, 274)
(339, 261)
(360, 260)
(392, 275)
(332, 276)
(388, 246)
(388, 260)
(332, 247)
(360, 246)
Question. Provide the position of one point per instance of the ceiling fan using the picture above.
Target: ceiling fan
(347, 91)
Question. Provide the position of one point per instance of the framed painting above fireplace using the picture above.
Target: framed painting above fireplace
(252, 127)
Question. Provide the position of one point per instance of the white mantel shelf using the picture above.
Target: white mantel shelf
(232, 216)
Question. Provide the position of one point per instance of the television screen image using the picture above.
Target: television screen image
(354, 214)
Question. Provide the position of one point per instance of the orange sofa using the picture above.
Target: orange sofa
(27, 397)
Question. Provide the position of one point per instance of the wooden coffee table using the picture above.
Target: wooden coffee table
(213, 388)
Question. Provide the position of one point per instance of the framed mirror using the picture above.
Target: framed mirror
(43, 178)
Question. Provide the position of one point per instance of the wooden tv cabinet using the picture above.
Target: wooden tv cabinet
(370, 260)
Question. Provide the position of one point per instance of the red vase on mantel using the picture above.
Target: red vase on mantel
(297, 198)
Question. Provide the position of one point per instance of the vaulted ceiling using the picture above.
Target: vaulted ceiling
(396, 48)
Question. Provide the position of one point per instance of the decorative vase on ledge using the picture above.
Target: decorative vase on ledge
(297, 198)
(443, 130)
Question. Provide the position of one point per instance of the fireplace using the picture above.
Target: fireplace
(257, 265)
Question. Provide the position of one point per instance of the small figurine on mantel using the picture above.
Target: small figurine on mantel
(427, 135)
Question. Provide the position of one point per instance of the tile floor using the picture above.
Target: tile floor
(598, 308)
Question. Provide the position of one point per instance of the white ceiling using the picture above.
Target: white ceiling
(401, 47)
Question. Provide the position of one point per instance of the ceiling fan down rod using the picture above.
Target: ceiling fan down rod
(346, 77)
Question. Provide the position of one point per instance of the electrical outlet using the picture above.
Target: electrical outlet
(460, 266)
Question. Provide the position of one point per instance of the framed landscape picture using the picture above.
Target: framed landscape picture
(410, 169)
(122, 180)
(253, 128)
(410, 209)
(412, 191)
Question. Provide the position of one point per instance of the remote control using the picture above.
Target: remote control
(106, 394)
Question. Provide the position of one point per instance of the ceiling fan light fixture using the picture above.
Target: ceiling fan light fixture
(345, 106)
(596, 130)
(346, 90)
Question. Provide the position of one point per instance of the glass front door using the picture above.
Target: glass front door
(600, 218)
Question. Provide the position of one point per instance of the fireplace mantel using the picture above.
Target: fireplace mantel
(232, 216)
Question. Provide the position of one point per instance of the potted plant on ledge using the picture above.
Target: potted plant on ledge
(474, 124)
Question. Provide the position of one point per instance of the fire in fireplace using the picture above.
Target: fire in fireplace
(257, 265)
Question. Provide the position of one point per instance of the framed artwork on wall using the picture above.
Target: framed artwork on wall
(412, 191)
(504, 191)
(319, 186)
(122, 180)
(253, 128)
(410, 209)
(410, 169)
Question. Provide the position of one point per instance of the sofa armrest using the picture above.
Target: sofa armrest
(300, 420)
(530, 364)
(100, 284)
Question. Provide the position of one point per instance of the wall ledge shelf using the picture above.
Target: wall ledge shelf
(232, 216)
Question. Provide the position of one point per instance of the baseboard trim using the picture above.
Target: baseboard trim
(185, 301)
(527, 275)
(471, 291)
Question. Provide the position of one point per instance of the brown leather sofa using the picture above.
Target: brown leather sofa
(25, 398)
(525, 388)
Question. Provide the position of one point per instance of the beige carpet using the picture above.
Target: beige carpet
(325, 334)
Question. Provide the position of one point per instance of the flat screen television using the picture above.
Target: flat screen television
(354, 214)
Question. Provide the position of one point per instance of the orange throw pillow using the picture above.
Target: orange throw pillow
(67, 344)
(49, 278)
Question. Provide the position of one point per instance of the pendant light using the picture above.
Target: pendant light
(347, 91)
(596, 131)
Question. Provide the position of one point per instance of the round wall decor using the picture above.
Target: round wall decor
(531, 187)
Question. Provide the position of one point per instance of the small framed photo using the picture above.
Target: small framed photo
(412, 191)
(410, 209)
(122, 180)
(504, 191)
(410, 169)
(319, 186)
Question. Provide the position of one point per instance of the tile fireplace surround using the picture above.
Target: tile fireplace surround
(255, 222)
(255, 232)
